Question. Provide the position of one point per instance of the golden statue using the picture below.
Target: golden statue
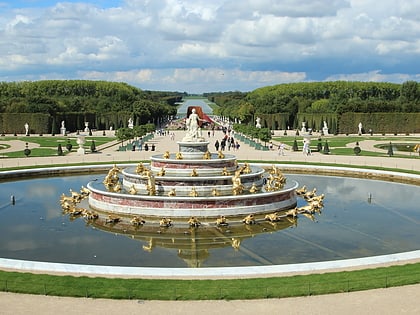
(275, 181)
(220, 155)
(215, 192)
(207, 155)
(194, 222)
(254, 189)
(151, 184)
(193, 193)
(179, 156)
(310, 194)
(140, 168)
(301, 191)
(84, 192)
(292, 213)
(172, 193)
(117, 187)
(136, 220)
(112, 219)
(161, 172)
(194, 173)
(249, 219)
(273, 217)
(166, 155)
(246, 169)
(221, 221)
(132, 190)
(225, 172)
(237, 187)
(165, 222)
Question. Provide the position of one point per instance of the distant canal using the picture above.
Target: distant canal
(182, 110)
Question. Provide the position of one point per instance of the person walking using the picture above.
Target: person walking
(281, 148)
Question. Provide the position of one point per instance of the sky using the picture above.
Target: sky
(200, 46)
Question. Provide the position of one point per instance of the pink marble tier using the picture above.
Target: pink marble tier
(213, 166)
(162, 206)
(182, 182)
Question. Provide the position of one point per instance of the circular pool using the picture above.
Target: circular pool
(362, 217)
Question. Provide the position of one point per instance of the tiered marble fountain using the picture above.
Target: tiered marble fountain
(193, 186)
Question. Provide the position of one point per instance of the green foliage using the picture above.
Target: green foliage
(405, 123)
(93, 146)
(60, 150)
(263, 134)
(102, 104)
(295, 146)
(286, 105)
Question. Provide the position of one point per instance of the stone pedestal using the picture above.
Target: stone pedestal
(193, 150)
(81, 141)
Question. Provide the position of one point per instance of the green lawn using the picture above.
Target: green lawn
(337, 144)
(48, 145)
(160, 289)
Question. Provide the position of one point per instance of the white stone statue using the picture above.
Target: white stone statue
(193, 128)
(303, 130)
(130, 123)
(325, 128)
(26, 129)
(86, 126)
(258, 122)
(63, 128)
(360, 128)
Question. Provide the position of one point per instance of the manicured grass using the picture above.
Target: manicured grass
(337, 144)
(35, 152)
(48, 145)
(160, 289)
(49, 141)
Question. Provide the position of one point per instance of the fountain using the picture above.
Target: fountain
(193, 186)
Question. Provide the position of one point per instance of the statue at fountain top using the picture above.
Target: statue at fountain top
(193, 128)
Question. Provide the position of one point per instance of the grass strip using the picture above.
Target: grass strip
(161, 289)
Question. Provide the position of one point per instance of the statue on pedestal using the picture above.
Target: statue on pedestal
(325, 128)
(193, 128)
(258, 122)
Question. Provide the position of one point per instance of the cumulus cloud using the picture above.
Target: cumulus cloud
(185, 45)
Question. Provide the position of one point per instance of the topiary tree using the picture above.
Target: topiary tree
(93, 146)
(27, 151)
(60, 150)
(326, 148)
(390, 150)
(357, 149)
(295, 146)
(69, 146)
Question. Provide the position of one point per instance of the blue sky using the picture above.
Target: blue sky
(202, 46)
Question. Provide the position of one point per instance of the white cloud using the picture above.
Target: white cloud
(166, 44)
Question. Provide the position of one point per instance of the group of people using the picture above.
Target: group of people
(227, 142)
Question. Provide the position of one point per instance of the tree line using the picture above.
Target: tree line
(76, 101)
(285, 105)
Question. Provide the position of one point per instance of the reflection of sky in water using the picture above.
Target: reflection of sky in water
(349, 226)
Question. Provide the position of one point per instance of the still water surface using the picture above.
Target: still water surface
(361, 218)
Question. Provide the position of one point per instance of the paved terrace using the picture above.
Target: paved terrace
(245, 152)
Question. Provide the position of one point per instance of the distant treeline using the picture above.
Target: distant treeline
(288, 105)
(103, 104)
